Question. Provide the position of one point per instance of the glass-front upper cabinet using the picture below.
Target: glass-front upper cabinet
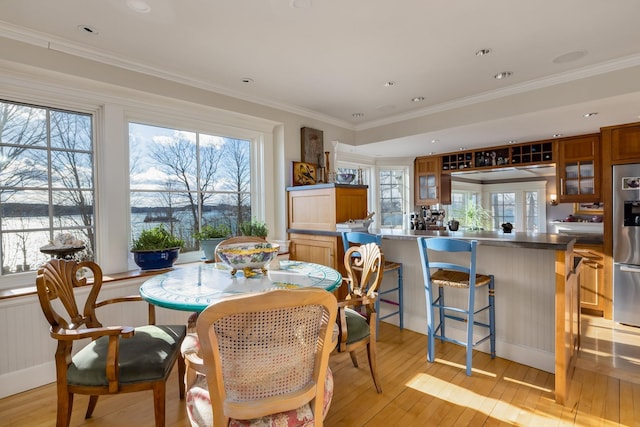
(578, 171)
(431, 185)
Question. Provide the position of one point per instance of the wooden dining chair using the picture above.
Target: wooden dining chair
(357, 312)
(391, 296)
(265, 360)
(119, 359)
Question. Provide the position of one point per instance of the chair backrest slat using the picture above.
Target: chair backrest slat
(446, 244)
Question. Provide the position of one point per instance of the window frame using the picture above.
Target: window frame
(520, 188)
(257, 163)
(18, 278)
(111, 110)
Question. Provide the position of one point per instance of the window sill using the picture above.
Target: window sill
(107, 278)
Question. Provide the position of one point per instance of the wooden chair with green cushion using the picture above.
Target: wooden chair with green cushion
(357, 312)
(119, 359)
(355, 238)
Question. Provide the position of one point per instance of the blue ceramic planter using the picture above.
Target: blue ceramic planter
(156, 260)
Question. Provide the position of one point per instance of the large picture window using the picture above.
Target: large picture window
(46, 183)
(186, 179)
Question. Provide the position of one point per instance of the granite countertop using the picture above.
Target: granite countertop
(490, 238)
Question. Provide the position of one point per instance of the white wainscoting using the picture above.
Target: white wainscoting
(26, 358)
(525, 298)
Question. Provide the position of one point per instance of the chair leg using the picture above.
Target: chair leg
(400, 297)
(93, 401)
(470, 323)
(181, 376)
(159, 391)
(441, 312)
(492, 317)
(377, 308)
(430, 326)
(65, 405)
(354, 359)
(373, 364)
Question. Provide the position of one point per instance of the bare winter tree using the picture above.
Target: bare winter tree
(21, 128)
(72, 168)
(238, 173)
(179, 159)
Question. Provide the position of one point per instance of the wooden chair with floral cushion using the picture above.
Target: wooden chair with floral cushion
(265, 360)
(119, 359)
(357, 313)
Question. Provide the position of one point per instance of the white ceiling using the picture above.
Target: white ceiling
(330, 59)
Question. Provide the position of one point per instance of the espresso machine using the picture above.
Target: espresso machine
(427, 218)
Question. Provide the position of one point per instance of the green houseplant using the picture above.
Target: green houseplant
(210, 236)
(156, 248)
(254, 228)
(474, 217)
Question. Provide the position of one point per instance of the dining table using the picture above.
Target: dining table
(194, 287)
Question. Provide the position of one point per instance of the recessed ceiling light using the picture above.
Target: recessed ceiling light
(502, 75)
(513, 141)
(139, 6)
(462, 148)
(418, 99)
(88, 29)
(247, 80)
(569, 57)
(591, 114)
(300, 4)
(358, 115)
(557, 135)
(433, 141)
(483, 52)
(389, 83)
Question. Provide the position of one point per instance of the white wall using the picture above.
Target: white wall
(36, 75)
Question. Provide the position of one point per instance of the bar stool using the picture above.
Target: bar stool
(359, 238)
(455, 276)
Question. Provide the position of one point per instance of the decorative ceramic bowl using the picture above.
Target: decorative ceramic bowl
(345, 178)
(247, 256)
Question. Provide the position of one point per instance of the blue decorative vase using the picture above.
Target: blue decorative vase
(156, 260)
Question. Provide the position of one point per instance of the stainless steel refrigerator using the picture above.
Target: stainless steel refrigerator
(626, 244)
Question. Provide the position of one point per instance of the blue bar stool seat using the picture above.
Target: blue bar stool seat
(454, 275)
(359, 238)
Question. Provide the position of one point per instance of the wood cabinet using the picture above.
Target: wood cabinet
(591, 279)
(320, 207)
(430, 184)
(314, 211)
(532, 153)
(578, 171)
(624, 141)
(315, 248)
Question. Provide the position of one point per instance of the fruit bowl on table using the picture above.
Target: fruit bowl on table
(247, 256)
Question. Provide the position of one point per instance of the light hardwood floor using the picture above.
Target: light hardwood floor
(605, 390)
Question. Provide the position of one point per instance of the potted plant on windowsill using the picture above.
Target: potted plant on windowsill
(210, 236)
(156, 248)
(254, 228)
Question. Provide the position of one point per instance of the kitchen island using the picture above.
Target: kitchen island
(537, 300)
(537, 295)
